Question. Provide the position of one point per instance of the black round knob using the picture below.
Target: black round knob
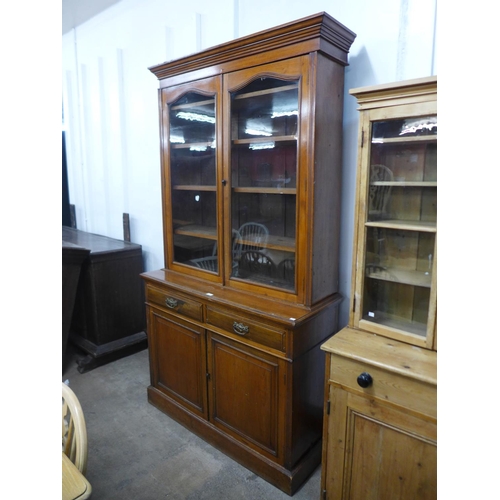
(224, 182)
(365, 380)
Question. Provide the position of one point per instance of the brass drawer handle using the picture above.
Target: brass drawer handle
(171, 302)
(240, 328)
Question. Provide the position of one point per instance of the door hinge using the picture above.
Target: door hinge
(362, 137)
(208, 376)
(324, 495)
(354, 304)
(328, 407)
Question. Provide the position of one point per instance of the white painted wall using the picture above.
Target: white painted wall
(110, 97)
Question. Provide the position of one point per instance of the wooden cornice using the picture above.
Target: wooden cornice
(321, 31)
(392, 94)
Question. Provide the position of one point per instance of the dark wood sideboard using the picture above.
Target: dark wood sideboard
(109, 319)
(72, 259)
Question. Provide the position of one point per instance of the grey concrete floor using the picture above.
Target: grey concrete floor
(137, 452)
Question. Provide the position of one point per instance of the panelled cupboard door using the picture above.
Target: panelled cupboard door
(246, 388)
(377, 451)
(191, 158)
(178, 361)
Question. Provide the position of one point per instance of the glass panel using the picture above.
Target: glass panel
(264, 117)
(401, 223)
(398, 278)
(192, 171)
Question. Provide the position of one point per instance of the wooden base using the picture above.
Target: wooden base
(288, 481)
(99, 355)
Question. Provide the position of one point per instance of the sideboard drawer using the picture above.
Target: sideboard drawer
(246, 328)
(386, 385)
(175, 303)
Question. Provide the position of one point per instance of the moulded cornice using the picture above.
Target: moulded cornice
(316, 30)
(388, 94)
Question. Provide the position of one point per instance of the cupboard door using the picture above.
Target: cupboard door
(246, 390)
(178, 362)
(191, 139)
(375, 451)
(263, 108)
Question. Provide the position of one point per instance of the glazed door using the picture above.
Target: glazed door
(191, 123)
(178, 361)
(264, 129)
(398, 228)
(246, 390)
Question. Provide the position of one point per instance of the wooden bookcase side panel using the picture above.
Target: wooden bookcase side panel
(326, 184)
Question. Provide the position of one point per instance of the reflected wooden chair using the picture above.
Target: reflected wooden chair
(207, 263)
(252, 236)
(381, 178)
(257, 263)
(74, 430)
(286, 270)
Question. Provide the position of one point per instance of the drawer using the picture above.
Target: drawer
(248, 329)
(175, 303)
(386, 385)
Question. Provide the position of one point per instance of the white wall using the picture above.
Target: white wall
(110, 97)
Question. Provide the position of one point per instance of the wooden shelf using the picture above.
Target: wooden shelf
(259, 93)
(397, 324)
(415, 278)
(197, 231)
(187, 145)
(263, 140)
(396, 140)
(186, 187)
(193, 104)
(265, 190)
(273, 242)
(407, 225)
(405, 183)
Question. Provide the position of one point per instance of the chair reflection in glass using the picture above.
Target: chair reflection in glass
(253, 236)
(286, 270)
(207, 263)
(254, 263)
(250, 236)
(381, 179)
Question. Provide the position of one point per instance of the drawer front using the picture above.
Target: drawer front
(175, 303)
(387, 386)
(247, 329)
